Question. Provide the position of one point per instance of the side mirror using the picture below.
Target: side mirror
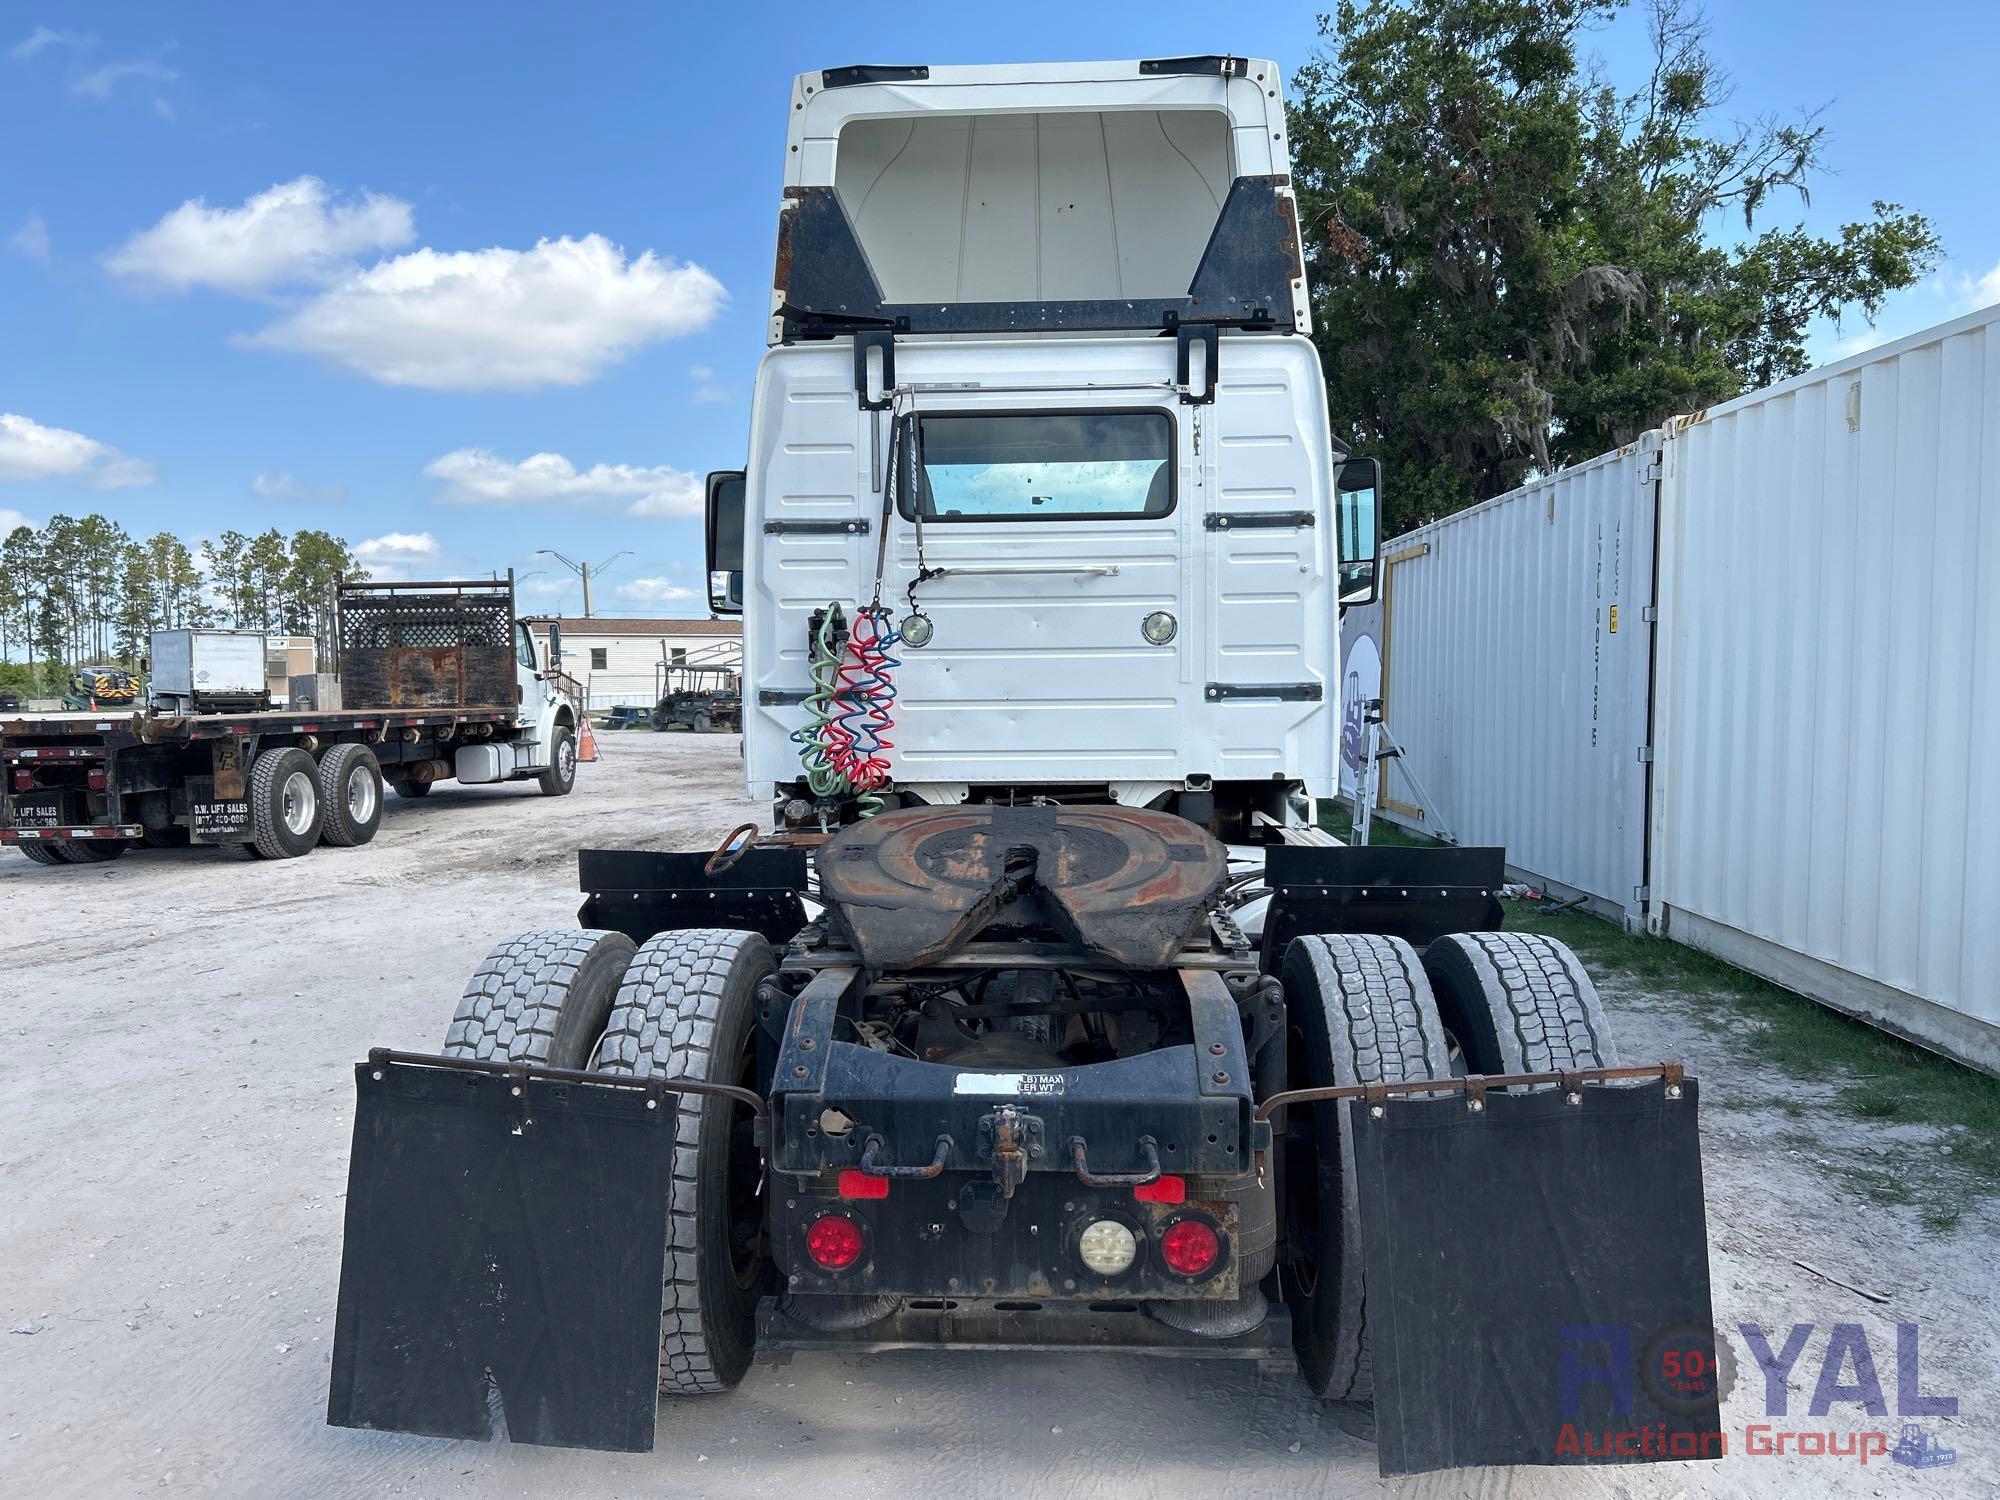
(725, 542)
(1357, 529)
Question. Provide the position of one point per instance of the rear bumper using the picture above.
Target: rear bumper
(1027, 1325)
(75, 831)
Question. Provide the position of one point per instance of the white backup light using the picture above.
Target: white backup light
(1107, 1247)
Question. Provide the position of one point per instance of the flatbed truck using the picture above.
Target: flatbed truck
(440, 681)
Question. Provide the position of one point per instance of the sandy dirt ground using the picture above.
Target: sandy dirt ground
(175, 1105)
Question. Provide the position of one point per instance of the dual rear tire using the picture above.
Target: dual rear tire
(1367, 1009)
(682, 1005)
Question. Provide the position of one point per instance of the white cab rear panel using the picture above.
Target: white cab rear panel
(1043, 677)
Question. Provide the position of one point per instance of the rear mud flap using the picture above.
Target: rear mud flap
(506, 1239)
(1537, 1276)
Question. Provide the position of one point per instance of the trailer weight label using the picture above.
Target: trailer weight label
(219, 820)
(1008, 1085)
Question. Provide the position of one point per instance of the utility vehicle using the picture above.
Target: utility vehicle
(438, 680)
(1044, 1016)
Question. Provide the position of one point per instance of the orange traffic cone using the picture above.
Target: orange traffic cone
(586, 745)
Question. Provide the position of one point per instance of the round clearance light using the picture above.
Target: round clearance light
(834, 1242)
(1189, 1247)
(916, 630)
(1107, 1248)
(1159, 627)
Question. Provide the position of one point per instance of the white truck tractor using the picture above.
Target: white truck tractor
(1044, 1016)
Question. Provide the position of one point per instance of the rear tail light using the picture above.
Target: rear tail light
(24, 781)
(1166, 1188)
(1189, 1247)
(834, 1242)
(855, 1184)
(98, 778)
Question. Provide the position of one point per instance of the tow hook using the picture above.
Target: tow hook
(1007, 1138)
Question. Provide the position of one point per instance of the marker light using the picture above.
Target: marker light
(1159, 627)
(1107, 1248)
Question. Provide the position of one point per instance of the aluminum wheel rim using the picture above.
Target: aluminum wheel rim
(300, 804)
(360, 795)
(566, 760)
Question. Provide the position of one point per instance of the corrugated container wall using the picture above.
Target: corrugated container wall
(1516, 655)
(1826, 805)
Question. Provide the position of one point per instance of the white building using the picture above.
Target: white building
(620, 660)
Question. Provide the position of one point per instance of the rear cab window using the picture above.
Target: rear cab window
(1043, 466)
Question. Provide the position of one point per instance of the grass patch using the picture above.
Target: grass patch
(1339, 822)
(1874, 1077)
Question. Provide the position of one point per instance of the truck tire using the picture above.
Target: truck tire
(40, 853)
(350, 787)
(561, 774)
(1359, 1010)
(173, 836)
(540, 997)
(286, 810)
(1518, 1002)
(407, 789)
(688, 1009)
(88, 851)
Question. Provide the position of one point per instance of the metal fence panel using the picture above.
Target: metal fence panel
(1826, 810)
(1516, 653)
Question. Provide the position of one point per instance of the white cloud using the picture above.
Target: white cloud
(653, 590)
(559, 314)
(476, 476)
(30, 451)
(707, 390)
(43, 37)
(280, 485)
(398, 547)
(99, 83)
(294, 231)
(1975, 292)
(1949, 294)
(31, 240)
(12, 520)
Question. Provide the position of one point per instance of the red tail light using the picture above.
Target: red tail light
(834, 1242)
(855, 1184)
(1163, 1189)
(24, 781)
(98, 778)
(1189, 1247)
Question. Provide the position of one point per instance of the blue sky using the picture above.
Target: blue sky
(263, 360)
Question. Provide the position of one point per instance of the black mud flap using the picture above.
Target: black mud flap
(1537, 1276)
(504, 1255)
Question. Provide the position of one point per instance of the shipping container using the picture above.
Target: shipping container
(1793, 768)
(1828, 697)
